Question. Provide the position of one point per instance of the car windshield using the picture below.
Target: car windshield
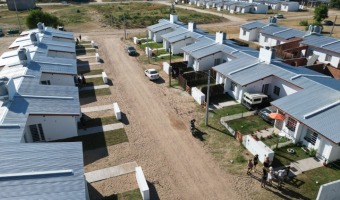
(153, 72)
(131, 48)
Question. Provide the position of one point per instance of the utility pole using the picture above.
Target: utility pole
(124, 27)
(16, 11)
(170, 68)
(207, 104)
(147, 46)
(330, 34)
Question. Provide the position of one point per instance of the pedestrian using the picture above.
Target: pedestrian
(80, 82)
(270, 175)
(83, 79)
(79, 37)
(250, 166)
(266, 163)
(287, 172)
(256, 160)
(264, 177)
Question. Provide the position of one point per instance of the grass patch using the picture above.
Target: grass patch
(273, 139)
(84, 51)
(93, 122)
(249, 125)
(282, 157)
(152, 45)
(94, 93)
(230, 110)
(129, 195)
(159, 52)
(94, 81)
(100, 140)
(166, 58)
(220, 98)
(92, 72)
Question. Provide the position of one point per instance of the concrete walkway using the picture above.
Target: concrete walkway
(237, 116)
(96, 108)
(93, 76)
(98, 129)
(163, 55)
(97, 87)
(223, 104)
(298, 167)
(109, 172)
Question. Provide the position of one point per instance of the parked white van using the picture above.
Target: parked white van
(255, 101)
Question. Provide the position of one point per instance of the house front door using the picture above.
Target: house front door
(325, 151)
(265, 88)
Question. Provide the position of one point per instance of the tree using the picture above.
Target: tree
(320, 13)
(335, 4)
(36, 16)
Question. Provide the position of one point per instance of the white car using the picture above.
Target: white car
(152, 74)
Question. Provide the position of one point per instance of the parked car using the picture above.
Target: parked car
(1, 33)
(13, 31)
(279, 16)
(255, 101)
(152, 74)
(131, 50)
(264, 112)
(327, 22)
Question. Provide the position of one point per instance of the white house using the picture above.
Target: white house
(289, 6)
(274, 5)
(157, 30)
(326, 48)
(250, 31)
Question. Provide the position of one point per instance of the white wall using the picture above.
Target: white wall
(271, 41)
(329, 191)
(58, 79)
(157, 36)
(54, 127)
(285, 88)
(335, 60)
(251, 35)
(197, 95)
(208, 62)
(261, 9)
(291, 7)
(142, 184)
(258, 147)
(177, 46)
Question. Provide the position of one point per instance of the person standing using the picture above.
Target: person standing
(264, 177)
(270, 175)
(250, 166)
(256, 161)
(266, 162)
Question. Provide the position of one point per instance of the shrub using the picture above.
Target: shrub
(240, 159)
(36, 16)
(303, 23)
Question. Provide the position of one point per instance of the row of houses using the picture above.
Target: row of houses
(39, 102)
(248, 6)
(309, 100)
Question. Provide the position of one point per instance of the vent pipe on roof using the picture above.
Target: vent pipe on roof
(34, 38)
(317, 29)
(220, 37)
(41, 27)
(191, 26)
(266, 55)
(272, 20)
(24, 56)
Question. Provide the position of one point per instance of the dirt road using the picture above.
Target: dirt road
(159, 139)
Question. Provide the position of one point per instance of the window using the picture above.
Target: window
(278, 42)
(46, 82)
(276, 90)
(244, 32)
(265, 39)
(232, 86)
(311, 136)
(265, 88)
(291, 124)
(328, 58)
(37, 132)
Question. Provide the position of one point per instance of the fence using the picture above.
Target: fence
(231, 131)
(257, 147)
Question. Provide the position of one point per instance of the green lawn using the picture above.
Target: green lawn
(92, 122)
(92, 72)
(249, 125)
(100, 140)
(230, 110)
(166, 58)
(160, 52)
(94, 81)
(274, 139)
(94, 93)
(129, 195)
(152, 45)
(282, 157)
(84, 51)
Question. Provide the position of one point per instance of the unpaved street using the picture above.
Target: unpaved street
(159, 140)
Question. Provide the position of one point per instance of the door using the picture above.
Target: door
(265, 88)
(217, 61)
(37, 133)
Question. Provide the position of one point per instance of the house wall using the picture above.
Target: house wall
(158, 36)
(208, 62)
(58, 79)
(293, 6)
(335, 60)
(54, 127)
(150, 35)
(166, 44)
(261, 9)
(177, 46)
(270, 43)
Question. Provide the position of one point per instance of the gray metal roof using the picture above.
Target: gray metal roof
(19, 162)
(282, 32)
(323, 42)
(253, 25)
(180, 34)
(162, 25)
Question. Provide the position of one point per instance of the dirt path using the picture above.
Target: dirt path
(159, 139)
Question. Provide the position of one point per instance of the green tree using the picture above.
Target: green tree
(320, 13)
(36, 16)
(335, 4)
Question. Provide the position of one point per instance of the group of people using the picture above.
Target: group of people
(81, 80)
(267, 170)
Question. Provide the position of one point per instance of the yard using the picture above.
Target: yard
(94, 93)
(93, 122)
(230, 110)
(249, 125)
(94, 81)
(92, 72)
(282, 157)
(129, 195)
(152, 45)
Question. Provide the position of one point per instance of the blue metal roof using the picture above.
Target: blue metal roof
(281, 31)
(162, 25)
(323, 42)
(253, 25)
(60, 166)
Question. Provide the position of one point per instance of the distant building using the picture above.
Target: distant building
(20, 4)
